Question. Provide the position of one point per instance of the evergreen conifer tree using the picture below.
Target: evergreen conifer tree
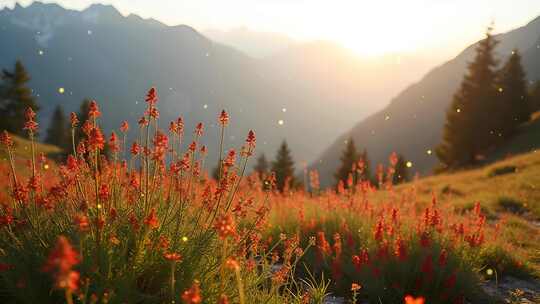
(514, 107)
(401, 173)
(58, 132)
(262, 166)
(349, 158)
(471, 125)
(283, 166)
(16, 96)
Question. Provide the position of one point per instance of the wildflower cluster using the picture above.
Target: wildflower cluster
(152, 227)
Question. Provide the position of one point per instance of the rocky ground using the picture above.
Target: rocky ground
(508, 290)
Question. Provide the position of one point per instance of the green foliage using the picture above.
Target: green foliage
(348, 158)
(513, 107)
(487, 110)
(364, 167)
(283, 167)
(470, 123)
(58, 132)
(502, 170)
(262, 166)
(401, 173)
(512, 205)
(15, 98)
(534, 93)
(498, 262)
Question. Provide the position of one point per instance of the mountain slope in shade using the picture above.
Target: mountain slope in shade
(99, 53)
(412, 123)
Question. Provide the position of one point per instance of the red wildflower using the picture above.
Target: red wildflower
(192, 295)
(113, 142)
(199, 129)
(135, 149)
(104, 192)
(151, 96)
(82, 223)
(355, 287)
(379, 230)
(96, 140)
(393, 159)
(400, 249)
(412, 300)
(74, 120)
(223, 299)
(5, 139)
(225, 226)
(153, 112)
(224, 118)
(151, 220)
(180, 125)
(72, 163)
(134, 180)
(143, 122)
(93, 110)
(124, 126)
(232, 264)
(193, 146)
(204, 150)
(173, 127)
(30, 125)
(173, 256)
(230, 159)
(20, 192)
(60, 262)
(251, 140)
(322, 243)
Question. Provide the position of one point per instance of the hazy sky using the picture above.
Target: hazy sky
(366, 26)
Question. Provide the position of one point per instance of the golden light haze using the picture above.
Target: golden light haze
(368, 27)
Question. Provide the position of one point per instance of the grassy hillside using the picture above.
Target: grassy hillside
(22, 149)
(508, 191)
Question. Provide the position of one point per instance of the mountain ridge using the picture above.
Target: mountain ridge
(421, 107)
(99, 53)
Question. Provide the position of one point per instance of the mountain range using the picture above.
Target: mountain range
(413, 121)
(306, 93)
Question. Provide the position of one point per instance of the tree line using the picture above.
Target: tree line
(355, 167)
(487, 109)
(16, 96)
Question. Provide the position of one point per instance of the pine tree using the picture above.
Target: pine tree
(513, 96)
(534, 97)
(401, 173)
(261, 168)
(470, 124)
(283, 166)
(349, 158)
(16, 97)
(58, 133)
(83, 117)
(366, 169)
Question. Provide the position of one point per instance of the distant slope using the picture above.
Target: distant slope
(22, 149)
(412, 123)
(253, 43)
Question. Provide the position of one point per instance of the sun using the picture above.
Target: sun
(371, 29)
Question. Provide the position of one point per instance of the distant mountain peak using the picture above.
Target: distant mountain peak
(101, 12)
(39, 4)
